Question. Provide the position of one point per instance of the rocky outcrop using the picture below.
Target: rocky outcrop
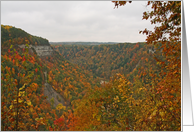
(53, 96)
(43, 50)
(152, 51)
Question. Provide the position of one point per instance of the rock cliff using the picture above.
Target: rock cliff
(41, 50)
(53, 96)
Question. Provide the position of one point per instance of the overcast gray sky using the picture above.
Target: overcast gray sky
(77, 20)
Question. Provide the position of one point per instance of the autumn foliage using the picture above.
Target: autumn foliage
(123, 87)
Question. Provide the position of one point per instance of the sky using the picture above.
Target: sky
(91, 21)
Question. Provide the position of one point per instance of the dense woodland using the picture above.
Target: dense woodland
(104, 61)
(124, 86)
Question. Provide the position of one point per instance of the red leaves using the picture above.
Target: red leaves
(36, 70)
(13, 61)
(2, 103)
(12, 119)
(18, 57)
(24, 59)
(50, 128)
(60, 122)
(127, 128)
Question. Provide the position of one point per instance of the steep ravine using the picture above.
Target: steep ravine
(53, 97)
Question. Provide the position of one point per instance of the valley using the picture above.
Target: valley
(92, 86)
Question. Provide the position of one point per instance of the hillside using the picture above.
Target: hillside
(19, 36)
(105, 61)
(136, 78)
(49, 83)
(124, 86)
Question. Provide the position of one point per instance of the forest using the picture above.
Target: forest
(95, 86)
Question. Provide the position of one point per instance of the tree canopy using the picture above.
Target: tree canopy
(123, 87)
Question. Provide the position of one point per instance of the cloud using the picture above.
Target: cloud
(77, 20)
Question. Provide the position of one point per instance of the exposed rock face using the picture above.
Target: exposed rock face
(51, 93)
(103, 82)
(152, 51)
(45, 50)
(53, 97)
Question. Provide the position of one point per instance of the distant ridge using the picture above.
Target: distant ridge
(81, 43)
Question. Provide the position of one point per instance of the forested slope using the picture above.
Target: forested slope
(142, 90)
(24, 105)
(19, 36)
(104, 61)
